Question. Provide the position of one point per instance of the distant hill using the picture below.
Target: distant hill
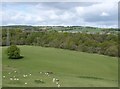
(61, 28)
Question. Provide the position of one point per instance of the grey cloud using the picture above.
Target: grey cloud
(67, 5)
(98, 18)
(90, 17)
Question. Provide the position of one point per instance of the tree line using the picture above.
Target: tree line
(106, 44)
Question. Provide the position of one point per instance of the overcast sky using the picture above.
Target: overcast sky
(99, 14)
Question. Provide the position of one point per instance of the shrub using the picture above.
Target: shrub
(13, 52)
(112, 51)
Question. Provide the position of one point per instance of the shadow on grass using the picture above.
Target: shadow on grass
(90, 77)
(21, 57)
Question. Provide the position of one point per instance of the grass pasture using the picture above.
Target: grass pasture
(73, 69)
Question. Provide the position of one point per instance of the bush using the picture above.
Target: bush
(13, 52)
(112, 51)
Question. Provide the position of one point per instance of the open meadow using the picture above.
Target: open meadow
(40, 66)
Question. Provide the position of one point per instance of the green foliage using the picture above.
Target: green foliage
(91, 43)
(13, 52)
(112, 51)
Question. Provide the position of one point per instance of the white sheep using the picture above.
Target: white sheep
(11, 78)
(17, 79)
(53, 79)
(58, 85)
(40, 72)
(57, 79)
(24, 75)
(3, 76)
(25, 83)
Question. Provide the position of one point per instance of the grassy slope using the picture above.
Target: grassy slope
(0, 67)
(68, 66)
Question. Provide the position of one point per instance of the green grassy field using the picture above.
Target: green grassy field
(73, 69)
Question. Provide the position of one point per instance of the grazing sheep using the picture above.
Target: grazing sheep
(24, 75)
(11, 78)
(17, 79)
(25, 83)
(3, 76)
(47, 74)
(9, 73)
(53, 79)
(58, 85)
(57, 79)
(40, 72)
(50, 72)
(30, 74)
(15, 71)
